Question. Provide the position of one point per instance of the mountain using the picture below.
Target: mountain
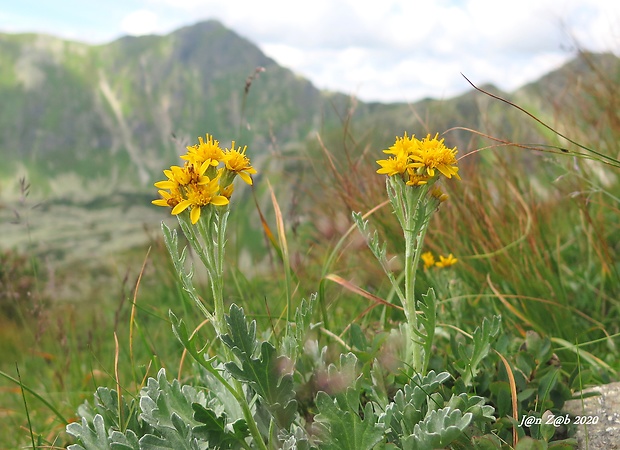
(118, 113)
(114, 109)
(581, 100)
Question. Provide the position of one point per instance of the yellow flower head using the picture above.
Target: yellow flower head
(171, 199)
(238, 164)
(432, 154)
(439, 194)
(208, 152)
(446, 261)
(199, 195)
(404, 146)
(187, 187)
(200, 182)
(183, 176)
(393, 165)
(415, 179)
(227, 191)
(428, 259)
(416, 161)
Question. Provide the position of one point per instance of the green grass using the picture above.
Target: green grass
(65, 348)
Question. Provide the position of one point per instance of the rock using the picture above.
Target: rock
(597, 418)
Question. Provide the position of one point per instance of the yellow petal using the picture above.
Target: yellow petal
(203, 167)
(195, 214)
(449, 171)
(219, 200)
(182, 206)
(160, 202)
(245, 177)
(167, 184)
(203, 180)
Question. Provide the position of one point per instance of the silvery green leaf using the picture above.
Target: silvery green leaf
(439, 429)
(268, 374)
(345, 429)
(90, 438)
(472, 354)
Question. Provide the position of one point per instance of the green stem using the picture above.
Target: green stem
(190, 234)
(410, 312)
(247, 414)
(210, 248)
(415, 226)
(212, 231)
(216, 245)
(237, 393)
(217, 284)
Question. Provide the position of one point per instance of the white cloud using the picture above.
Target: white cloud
(140, 22)
(416, 53)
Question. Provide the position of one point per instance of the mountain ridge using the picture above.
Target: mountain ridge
(112, 110)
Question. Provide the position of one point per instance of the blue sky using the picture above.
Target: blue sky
(388, 50)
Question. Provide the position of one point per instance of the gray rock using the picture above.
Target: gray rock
(600, 417)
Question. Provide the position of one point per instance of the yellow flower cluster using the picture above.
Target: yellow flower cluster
(416, 160)
(200, 182)
(444, 261)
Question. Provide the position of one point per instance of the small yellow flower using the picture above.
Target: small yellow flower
(432, 154)
(208, 152)
(170, 199)
(227, 191)
(200, 182)
(446, 261)
(439, 194)
(429, 259)
(188, 187)
(415, 179)
(237, 164)
(183, 176)
(393, 165)
(404, 146)
(416, 161)
(199, 196)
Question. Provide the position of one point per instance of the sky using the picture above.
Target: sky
(377, 50)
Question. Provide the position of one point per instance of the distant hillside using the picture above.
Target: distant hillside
(581, 99)
(120, 112)
(98, 110)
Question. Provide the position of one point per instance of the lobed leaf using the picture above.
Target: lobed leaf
(171, 240)
(472, 355)
(379, 251)
(345, 429)
(411, 405)
(161, 400)
(428, 318)
(265, 374)
(126, 441)
(438, 430)
(89, 438)
(216, 429)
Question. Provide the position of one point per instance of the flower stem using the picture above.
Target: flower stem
(410, 311)
(236, 391)
(416, 222)
(217, 283)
